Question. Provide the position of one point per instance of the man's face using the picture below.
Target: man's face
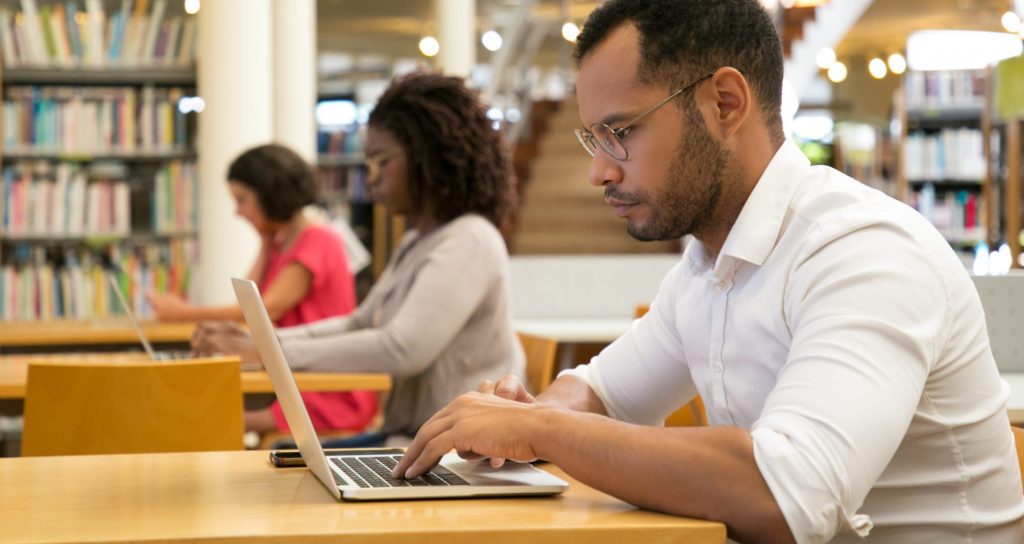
(670, 183)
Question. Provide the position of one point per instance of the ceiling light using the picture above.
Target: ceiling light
(897, 63)
(570, 31)
(429, 46)
(837, 72)
(959, 49)
(491, 40)
(876, 67)
(1011, 22)
(825, 58)
(191, 7)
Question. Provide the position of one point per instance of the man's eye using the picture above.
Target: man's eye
(622, 133)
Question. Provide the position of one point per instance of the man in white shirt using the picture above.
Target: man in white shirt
(835, 338)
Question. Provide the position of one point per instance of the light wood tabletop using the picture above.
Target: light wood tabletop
(83, 333)
(14, 375)
(228, 497)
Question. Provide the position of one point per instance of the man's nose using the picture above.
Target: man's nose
(604, 169)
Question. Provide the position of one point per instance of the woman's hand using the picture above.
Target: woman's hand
(168, 306)
(224, 338)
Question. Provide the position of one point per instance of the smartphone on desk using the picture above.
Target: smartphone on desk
(292, 458)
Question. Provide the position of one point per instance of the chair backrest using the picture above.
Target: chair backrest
(74, 408)
(1018, 437)
(540, 360)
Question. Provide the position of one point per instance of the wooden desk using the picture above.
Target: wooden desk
(238, 497)
(14, 375)
(63, 333)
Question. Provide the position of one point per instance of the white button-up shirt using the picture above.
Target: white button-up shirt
(838, 327)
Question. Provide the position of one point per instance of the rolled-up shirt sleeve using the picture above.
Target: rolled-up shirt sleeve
(867, 321)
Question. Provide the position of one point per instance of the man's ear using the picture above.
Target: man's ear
(729, 94)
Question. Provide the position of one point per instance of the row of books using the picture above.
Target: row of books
(60, 34)
(341, 142)
(36, 204)
(345, 184)
(75, 286)
(949, 154)
(84, 120)
(964, 89)
(957, 214)
(175, 197)
(40, 199)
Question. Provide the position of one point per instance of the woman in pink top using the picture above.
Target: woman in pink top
(302, 271)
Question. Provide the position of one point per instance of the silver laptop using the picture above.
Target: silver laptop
(367, 476)
(1002, 297)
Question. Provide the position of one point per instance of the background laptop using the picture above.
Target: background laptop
(367, 476)
(109, 270)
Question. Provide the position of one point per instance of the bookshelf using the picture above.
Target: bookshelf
(97, 156)
(944, 148)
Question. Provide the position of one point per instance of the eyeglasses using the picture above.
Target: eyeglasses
(374, 163)
(609, 139)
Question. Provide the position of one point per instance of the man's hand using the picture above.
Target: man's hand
(509, 387)
(475, 425)
(224, 338)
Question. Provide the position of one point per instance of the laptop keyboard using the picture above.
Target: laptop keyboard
(375, 471)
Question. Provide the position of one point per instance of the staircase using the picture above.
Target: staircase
(559, 211)
(808, 30)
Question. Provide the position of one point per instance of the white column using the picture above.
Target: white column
(294, 50)
(234, 79)
(456, 32)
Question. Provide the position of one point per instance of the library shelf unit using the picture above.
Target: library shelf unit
(944, 149)
(98, 167)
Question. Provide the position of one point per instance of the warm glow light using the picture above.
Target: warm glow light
(570, 31)
(959, 49)
(191, 7)
(837, 72)
(1011, 21)
(825, 58)
(429, 46)
(897, 64)
(876, 67)
(491, 40)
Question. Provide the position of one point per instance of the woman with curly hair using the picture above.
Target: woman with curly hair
(438, 319)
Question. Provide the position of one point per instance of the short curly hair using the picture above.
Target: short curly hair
(283, 182)
(681, 40)
(456, 160)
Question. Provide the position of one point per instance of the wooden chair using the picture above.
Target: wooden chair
(74, 408)
(692, 414)
(540, 361)
(1018, 438)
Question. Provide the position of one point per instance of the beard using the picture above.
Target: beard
(691, 192)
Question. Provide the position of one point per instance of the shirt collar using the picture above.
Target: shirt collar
(760, 223)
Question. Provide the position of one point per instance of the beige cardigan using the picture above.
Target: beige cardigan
(439, 320)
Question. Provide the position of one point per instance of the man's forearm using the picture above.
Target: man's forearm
(700, 472)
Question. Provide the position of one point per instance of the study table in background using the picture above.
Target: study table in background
(14, 375)
(239, 497)
(572, 332)
(41, 336)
